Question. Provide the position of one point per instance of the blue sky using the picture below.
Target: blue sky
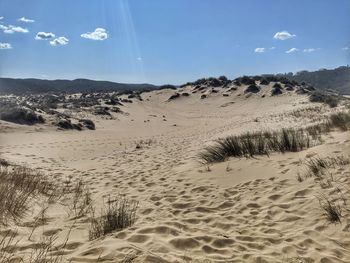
(170, 41)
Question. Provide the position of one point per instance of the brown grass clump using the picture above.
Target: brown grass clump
(341, 120)
(18, 186)
(116, 215)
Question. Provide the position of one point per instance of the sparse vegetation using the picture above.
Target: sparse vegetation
(341, 120)
(116, 215)
(257, 143)
(331, 99)
(18, 186)
(20, 115)
(317, 167)
(332, 210)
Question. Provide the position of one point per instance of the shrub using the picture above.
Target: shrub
(330, 99)
(213, 82)
(341, 120)
(20, 115)
(174, 96)
(246, 80)
(223, 79)
(276, 91)
(89, 124)
(116, 215)
(68, 125)
(264, 82)
(252, 88)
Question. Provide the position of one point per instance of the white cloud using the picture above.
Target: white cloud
(5, 46)
(44, 35)
(292, 50)
(1, 17)
(283, 35)
(10, 29)
(345, 48)
(272, 48)
(98, 34)
(308, 50)
(259, 50)
(139, 58)
(26, 20)
(60, 41)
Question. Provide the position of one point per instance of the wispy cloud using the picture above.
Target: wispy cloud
(44, 36)
(283, 35)
(292, 50)
(26, 20)
(272, 48)
(98, 34)
(60, 41)
(5, 46)
(10, 29)
(259, 50)
(1, 17)
(309, 50)
(345, 48)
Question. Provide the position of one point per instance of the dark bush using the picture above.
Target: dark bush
(325, 97)
(341, 120)
(276, 91)
(246, 80)
(174, 96)
(277, 85)
(264, 82)
(289, 87)
(223, 79)
(89, 124)
(237, 83)
(213, 82)
(252, 88)
(203, 96)
(20, 115)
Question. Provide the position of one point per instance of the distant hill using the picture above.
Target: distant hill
(337, 79)
(35, 86)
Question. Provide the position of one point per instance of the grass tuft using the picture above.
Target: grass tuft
(257, 143)
(116, 215)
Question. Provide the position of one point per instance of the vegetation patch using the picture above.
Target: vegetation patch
(331, 99)
(116, 215)
(258, 143)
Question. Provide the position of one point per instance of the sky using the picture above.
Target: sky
(170, 41)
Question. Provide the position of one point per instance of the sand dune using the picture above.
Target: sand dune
(240, 210)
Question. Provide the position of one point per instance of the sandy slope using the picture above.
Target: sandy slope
(243, 210)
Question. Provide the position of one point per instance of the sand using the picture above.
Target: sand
(241, 210)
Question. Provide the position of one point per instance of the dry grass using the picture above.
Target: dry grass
(341, 120)
(116, 215)
(80, 199)
(18, 186)
(332, 210)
